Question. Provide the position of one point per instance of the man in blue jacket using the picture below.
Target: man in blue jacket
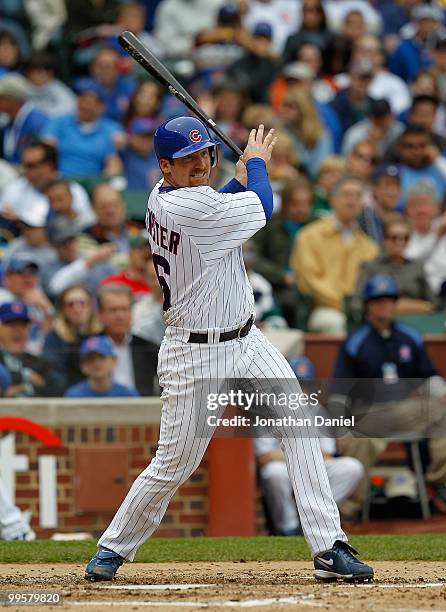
(385, 378)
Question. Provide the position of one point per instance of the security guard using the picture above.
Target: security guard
(396, 389)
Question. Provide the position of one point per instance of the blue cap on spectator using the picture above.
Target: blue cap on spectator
(386, 170)
(88, 85)
(18, 264)
(5, 378)
(303, 368)
(380, 285)
(263, 29)
(14, 311)
(97, 344)
(143, 126)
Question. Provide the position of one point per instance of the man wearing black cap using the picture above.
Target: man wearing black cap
(257, 69)
(14, 282)
(423, 114)
(352, 103)
(21, 283)
(216, 48)
(30, 374)
(386, 195)
(380, 126)
(69, 268)
(141, 167)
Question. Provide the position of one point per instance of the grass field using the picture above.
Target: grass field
(423, 547)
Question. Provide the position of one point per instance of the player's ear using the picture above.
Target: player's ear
(165, 164)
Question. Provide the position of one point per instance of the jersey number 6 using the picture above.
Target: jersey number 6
(161, 262)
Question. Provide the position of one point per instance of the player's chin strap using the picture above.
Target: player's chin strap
(213, 153)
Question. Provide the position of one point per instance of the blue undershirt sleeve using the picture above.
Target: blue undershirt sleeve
(232, 187)
(259, 183)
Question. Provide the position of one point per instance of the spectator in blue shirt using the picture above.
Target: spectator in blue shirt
(25, 121)
(141, 167)
(412, 54)
(352, 103)
(419, 161)
(98, 361)
(86, 141)
(384, 376)
(116, 88)
(394, 16)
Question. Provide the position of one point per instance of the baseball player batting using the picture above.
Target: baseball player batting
(196, 236)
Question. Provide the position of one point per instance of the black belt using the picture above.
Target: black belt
(241, 332)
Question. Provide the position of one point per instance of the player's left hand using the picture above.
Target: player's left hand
(241, 174)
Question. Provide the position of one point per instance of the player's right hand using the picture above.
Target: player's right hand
(258, 146)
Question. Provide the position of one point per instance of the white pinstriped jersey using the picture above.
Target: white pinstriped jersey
(196, 235)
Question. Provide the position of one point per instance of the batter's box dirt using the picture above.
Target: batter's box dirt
(414, 586)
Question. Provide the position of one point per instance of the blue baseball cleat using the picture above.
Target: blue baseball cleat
(340, 563)
(104, 565)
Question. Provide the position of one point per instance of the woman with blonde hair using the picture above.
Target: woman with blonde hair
(76, 320)
(312, 141)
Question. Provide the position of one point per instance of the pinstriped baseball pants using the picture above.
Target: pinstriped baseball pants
(182, 367)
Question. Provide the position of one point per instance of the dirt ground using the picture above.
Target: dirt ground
(413, 586)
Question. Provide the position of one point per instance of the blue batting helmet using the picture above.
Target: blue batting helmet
(380, 285)
(182, 136)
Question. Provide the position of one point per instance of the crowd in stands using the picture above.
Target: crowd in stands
(356, 91)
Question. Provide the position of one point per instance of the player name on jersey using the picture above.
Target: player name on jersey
(165, 238)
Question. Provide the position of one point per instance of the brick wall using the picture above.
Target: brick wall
(187, 512)
(133, 429)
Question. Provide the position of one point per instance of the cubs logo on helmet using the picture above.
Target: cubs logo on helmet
(195, 136)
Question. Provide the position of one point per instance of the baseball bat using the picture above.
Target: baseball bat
(149, 62)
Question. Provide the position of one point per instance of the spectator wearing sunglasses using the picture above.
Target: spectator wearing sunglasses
(415, 294)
